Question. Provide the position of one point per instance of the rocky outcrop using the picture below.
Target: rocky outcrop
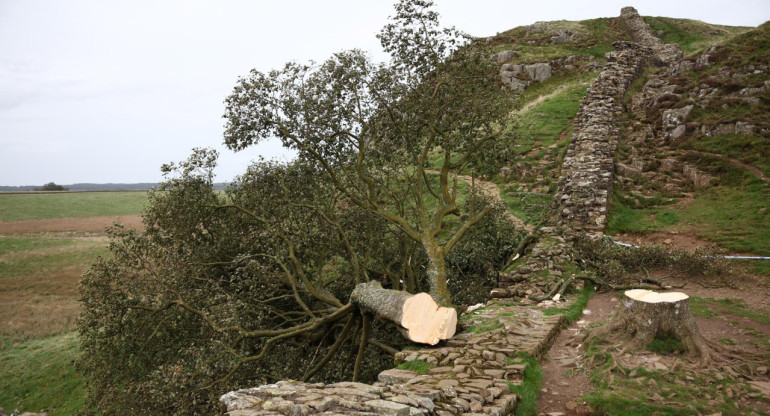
(518, 76)
(470, 374)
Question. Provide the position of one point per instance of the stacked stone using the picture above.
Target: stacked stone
(664, 53)
(472, 375)
(585, 185)
(551, 254)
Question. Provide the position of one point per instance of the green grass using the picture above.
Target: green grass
(733, 214)
(21, 207)
(624, 218)
(418, 366)
(666, 345)
(38, 262)
(15, 244)
(529, 389)
(754, 150)
(529, 208)
(542, 125)
(609, 403)
(39, 375)
(691, 35)
(709, 307)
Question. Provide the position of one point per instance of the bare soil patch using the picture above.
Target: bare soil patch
(679, 240)
(565, 375)
(90, 224)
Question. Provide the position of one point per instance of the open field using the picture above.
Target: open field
(38, 206)
(46, 242)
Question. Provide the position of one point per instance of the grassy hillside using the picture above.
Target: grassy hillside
(731, 211)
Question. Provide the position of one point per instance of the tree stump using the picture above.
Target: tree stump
(645, 315)
(422, 320)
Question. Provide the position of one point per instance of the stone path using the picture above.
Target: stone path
(470, 374)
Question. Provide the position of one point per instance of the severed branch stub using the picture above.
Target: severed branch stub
(422, 320)
(645, 314)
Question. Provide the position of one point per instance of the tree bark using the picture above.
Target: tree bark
(422, 320)
(437, 275)
(645, 315)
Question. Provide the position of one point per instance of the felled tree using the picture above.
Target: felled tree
(224, 290)
(377, 130)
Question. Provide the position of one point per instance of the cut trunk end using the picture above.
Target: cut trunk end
(421, 318)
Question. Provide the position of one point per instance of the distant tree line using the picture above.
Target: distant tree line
(50, 186)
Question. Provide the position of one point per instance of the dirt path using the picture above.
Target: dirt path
(91, 224)
(491, 190)
(564, 380)
(755, 170)
(534, 103)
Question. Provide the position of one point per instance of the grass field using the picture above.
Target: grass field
(39, 275)
(34, 206)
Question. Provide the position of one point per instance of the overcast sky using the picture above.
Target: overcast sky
(107, 91)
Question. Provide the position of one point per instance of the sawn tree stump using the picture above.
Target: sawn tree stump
(645, 315)
(421, 319)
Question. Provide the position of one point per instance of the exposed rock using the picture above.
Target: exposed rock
(395, 376)
(562, 36)
(676, 117)
(518, 76)
(505, 56)
(699, 178)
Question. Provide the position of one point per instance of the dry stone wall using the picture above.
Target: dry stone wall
(470, 374)
(585, 184)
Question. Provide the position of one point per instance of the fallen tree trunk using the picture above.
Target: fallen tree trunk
(645, 315)
(421, 318)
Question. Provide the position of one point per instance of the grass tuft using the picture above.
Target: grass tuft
(529, 388)
(418, 366)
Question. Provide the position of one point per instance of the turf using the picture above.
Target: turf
(38, 375)
(21, 207)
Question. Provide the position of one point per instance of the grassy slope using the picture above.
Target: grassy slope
(691, 35)
(594, 39)
(732, 212)
(19, 207)
(39, 374)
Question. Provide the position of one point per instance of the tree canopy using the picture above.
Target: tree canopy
(387, 136)
(236, 288)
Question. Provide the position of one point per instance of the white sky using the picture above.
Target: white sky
(107, 91)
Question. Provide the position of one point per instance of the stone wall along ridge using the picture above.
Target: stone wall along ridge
(585, 184)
